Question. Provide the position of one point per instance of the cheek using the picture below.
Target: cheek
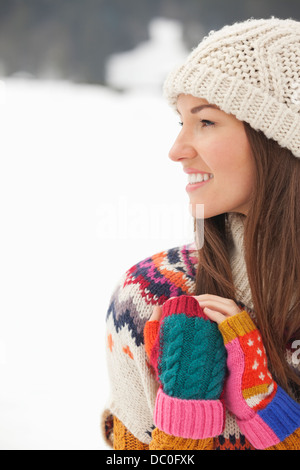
(219, 154)
(231, 155)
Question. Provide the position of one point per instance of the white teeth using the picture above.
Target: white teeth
(199, 177)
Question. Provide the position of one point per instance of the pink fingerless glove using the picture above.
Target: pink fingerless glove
(265, 412)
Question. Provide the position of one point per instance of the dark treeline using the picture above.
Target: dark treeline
(72, 38)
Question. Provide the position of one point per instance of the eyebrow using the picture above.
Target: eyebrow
(197, 109)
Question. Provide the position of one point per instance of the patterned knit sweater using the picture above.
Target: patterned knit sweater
(133, 387)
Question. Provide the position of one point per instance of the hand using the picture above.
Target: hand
(265, 413)
(216, 308)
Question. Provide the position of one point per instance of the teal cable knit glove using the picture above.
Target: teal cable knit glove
(189, 358)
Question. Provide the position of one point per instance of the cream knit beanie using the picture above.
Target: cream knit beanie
(251, 70)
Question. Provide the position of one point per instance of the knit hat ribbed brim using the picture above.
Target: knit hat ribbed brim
(251, 70)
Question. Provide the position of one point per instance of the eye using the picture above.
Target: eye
(207, 123)
(180, 123)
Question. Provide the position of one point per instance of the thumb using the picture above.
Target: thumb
(156, 314)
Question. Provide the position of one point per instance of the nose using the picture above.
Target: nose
(182, 148)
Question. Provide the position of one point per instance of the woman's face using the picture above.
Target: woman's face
(213, 146)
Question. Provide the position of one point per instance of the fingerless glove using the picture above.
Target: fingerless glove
(188, 355)
(266, 414)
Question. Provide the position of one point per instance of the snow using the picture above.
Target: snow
(87, 190)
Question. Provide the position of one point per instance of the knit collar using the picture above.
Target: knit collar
(235, 233)
(235, 236)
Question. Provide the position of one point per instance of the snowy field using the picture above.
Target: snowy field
(87, 190)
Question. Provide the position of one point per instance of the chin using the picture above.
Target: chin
(201, 211)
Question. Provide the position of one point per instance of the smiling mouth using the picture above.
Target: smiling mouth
(195, 178)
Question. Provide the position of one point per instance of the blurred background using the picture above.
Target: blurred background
(86, 190)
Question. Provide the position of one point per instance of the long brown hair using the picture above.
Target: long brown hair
(272, 253)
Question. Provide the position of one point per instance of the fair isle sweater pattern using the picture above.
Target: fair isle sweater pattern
(170, 273)
(164, 275)
(150, 282)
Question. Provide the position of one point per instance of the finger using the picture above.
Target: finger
(228, 309)
(156, 314)
(217, 298)
(214, 315)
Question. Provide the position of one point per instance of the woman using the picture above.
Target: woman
(201, 342)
